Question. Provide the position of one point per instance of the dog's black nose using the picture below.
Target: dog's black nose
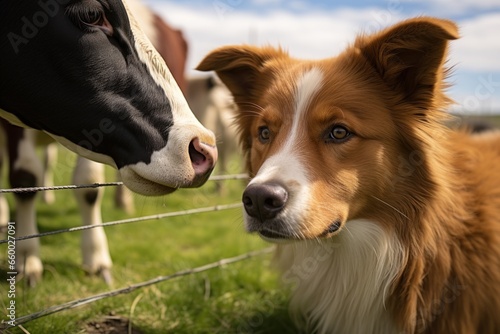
(264, 201)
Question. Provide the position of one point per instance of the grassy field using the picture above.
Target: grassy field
(245, 297)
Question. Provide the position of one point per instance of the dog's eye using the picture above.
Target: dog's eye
(339, 134)
(264, 134)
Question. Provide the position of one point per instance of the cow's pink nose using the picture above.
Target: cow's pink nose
(203, 157)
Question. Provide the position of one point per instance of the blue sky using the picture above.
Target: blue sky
(318, 29)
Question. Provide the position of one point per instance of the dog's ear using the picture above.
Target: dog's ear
(241, 69)
(238, 67)
(410, 56)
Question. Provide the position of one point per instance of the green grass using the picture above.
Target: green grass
(245, 297)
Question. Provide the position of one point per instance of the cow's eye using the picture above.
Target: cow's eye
(90, 18)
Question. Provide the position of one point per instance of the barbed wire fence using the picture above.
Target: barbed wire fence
(19, 321)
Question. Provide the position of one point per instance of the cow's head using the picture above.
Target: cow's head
(84, 72)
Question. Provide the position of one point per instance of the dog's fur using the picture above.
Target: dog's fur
(393, 227)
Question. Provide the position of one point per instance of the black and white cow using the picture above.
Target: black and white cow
(83, 72)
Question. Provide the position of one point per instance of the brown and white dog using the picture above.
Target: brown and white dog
(386, 220)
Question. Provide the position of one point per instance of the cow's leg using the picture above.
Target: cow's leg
(49, 161)
(96, 258)
(124, 199)
(4, 209)
(25, 170)
(4, 206)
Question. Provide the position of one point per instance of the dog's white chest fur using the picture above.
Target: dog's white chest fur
(341, 284)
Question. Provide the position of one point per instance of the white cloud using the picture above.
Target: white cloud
(478, 49)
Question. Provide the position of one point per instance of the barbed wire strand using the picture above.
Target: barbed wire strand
(219, 207)
(108, 184)
(131, 288)
(82, 186)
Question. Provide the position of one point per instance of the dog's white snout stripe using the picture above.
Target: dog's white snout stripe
(286, 166)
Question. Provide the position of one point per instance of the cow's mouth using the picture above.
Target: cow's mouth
(143, 186)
